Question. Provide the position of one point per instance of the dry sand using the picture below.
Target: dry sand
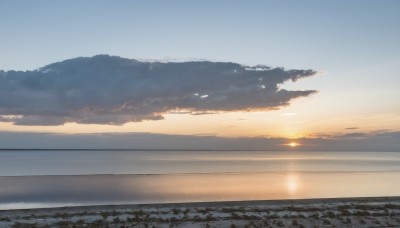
(338, 212)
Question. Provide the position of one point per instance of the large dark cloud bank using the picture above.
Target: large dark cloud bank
(113, 90)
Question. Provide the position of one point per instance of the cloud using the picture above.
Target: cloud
(113, 90)
(353, 135)
(352, 128)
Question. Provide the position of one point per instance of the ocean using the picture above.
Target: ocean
(53, 178)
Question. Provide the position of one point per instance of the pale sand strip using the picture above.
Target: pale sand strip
(337, 212)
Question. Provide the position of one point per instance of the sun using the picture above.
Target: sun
(293, 144)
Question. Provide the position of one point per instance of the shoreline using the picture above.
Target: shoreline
(275, 202)
(339, 212)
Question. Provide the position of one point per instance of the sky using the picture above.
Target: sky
(346, 51)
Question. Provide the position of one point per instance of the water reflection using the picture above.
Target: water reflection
(22, 163)
(23, 192)
(292, 183)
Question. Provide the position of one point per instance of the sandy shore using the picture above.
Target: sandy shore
(338, 212)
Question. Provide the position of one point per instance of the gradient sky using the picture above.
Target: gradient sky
(353, 44)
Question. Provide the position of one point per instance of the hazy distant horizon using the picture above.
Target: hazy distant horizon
(387, 141)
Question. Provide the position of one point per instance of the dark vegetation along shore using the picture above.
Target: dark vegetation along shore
(339, 212)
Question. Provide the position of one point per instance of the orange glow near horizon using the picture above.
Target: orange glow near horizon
(235, 124)
(293, 144)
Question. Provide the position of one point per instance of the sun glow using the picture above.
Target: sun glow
(293, 144)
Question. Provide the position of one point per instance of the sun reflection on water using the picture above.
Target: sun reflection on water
(292, 184)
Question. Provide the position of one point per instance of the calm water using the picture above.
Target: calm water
(59, 178)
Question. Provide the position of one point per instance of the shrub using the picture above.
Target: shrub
(5, 219)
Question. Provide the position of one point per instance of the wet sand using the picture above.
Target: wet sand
(334, 212)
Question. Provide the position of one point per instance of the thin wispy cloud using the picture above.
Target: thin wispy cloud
(113, 90)
(352, 128)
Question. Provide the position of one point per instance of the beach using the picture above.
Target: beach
(333, 212)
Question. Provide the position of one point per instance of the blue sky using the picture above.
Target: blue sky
(314, 34)
(354, 44)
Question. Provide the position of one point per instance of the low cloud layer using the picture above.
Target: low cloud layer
(385, 141)
(112, 90)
